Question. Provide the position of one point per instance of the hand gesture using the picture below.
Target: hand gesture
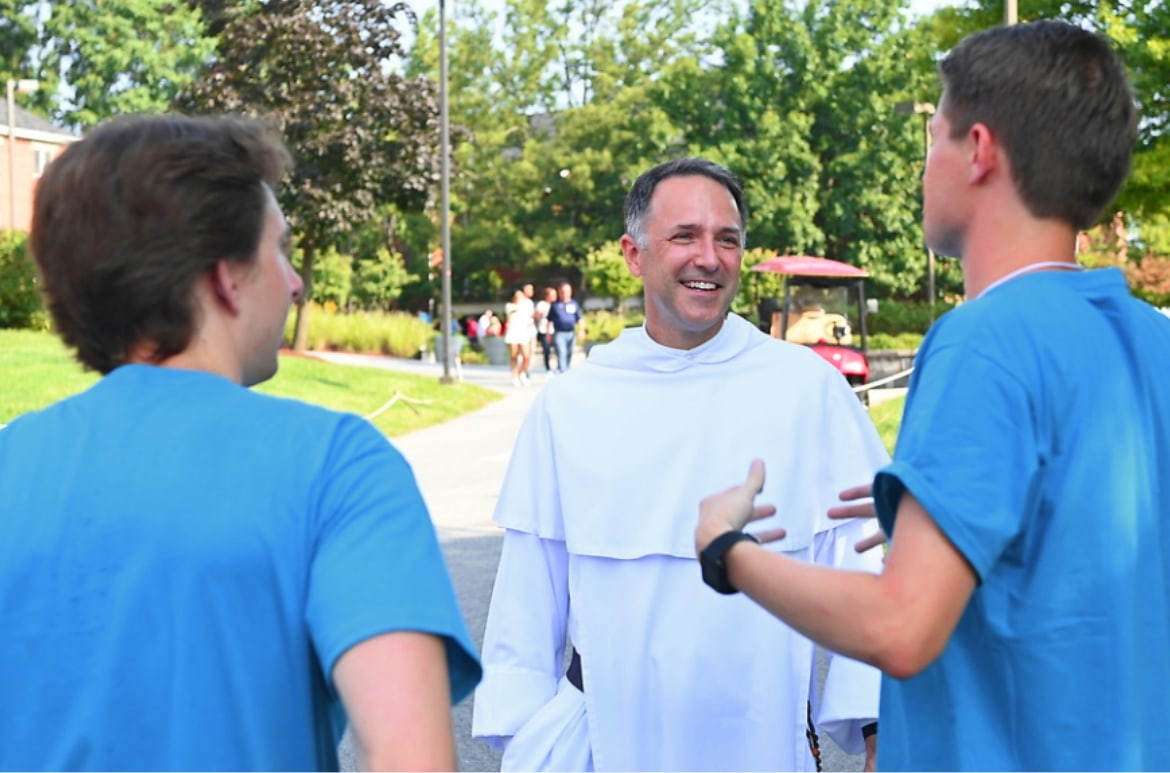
(734, 507)
(863, 509)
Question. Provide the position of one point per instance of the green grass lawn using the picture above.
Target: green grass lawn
(38, 370)
(887, 416)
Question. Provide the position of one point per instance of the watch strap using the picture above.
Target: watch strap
(713, 562)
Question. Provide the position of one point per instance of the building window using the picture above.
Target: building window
(41, 159)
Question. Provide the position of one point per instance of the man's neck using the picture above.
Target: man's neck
(998, 249)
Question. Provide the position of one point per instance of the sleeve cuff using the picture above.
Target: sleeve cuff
(506, 699)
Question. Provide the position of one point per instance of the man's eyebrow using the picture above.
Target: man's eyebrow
(286, 238)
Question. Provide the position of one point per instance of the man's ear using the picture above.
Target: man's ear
(986, 153)
(633, 255)
(225, 287)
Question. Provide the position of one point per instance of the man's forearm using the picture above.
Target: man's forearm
(899, 620)
(844, 611)
(870, 753)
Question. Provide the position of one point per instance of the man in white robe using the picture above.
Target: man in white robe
(600, 502)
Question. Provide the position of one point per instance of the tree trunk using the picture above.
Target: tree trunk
(301, 329)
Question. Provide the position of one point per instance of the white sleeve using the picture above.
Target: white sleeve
(852, 689)
(524, 640)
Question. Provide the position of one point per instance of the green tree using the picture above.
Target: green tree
(607, 275)
(379, 279)
(115, 56)
(18, 37)
(800, 103)
(327, 75)
(20, 297)
(562, 121)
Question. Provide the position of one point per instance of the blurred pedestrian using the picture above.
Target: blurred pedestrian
(565, 315)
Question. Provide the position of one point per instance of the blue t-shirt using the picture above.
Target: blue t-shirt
(1037, 436)
(564, 315)
(182, 562)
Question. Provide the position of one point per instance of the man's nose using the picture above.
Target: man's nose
(296, 284)
(706, 255)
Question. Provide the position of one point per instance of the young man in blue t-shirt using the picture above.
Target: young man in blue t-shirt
(1023, 614)
(195, 576)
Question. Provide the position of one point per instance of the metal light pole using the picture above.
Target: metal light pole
(445, 187)
(24, 87)
(926, 110)
(1009, 12)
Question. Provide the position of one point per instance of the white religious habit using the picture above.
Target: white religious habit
(600, 504)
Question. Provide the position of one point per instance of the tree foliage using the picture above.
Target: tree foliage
(550, 127)
(324, 74)
(99, 58)
(801, 106)
(20, 296)
(607, 276)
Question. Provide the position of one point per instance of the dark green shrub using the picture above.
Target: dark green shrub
(20, 296)
(896, 317)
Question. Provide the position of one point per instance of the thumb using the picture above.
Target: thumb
(755, 479)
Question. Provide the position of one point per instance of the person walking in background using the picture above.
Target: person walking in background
(488, 324)
(564, 315)
(1023, 614)
(598, 506)
(544, 327)
(529, 294)
(519, 330)
(193, 575)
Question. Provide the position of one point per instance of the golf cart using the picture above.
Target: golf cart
(820, 296)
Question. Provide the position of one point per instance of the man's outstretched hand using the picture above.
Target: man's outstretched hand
(733, 508)
(862, 509)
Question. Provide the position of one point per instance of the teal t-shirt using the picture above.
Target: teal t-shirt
(183, 560)
(1037, 436)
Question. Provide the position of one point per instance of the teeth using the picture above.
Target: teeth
(700, 285)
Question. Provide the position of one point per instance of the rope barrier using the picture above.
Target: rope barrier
(866, 387)
(407, 401)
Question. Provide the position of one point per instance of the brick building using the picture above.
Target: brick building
(34, 143)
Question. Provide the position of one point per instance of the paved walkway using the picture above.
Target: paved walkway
(460, 464)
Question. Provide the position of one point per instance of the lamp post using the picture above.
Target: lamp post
(22, 86)
(445, 187)
(926, 110)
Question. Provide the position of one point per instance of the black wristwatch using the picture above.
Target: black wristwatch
(712, 562)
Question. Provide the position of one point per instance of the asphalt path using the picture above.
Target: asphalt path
(459, 466)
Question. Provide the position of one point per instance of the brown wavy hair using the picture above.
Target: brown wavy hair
(128, 218)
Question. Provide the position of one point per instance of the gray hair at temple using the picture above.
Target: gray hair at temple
(638, 200)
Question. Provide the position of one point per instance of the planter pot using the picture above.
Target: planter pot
(496, 349)
(456, 347)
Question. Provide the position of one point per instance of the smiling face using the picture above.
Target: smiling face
(689, 263)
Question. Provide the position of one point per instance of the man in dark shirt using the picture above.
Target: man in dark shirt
(564, 315)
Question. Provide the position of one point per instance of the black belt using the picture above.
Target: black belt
(574, 673)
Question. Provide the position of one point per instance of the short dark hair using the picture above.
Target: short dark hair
(1057, 98)
(638, 199)
(127, 219)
